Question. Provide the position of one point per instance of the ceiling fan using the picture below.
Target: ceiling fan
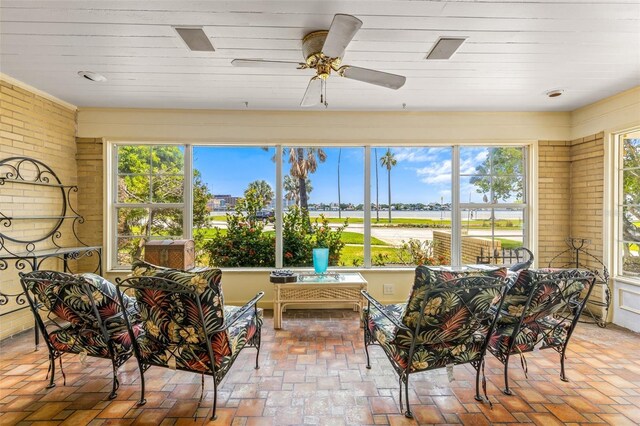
(323, 51)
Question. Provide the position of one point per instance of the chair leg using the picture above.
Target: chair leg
(563, 376)
(215, 398)
(116, 382)
(258, 338)
(506, 389)
(142, 399)
(408, 414)
(478, 397)
(367, 339)
(52, 368)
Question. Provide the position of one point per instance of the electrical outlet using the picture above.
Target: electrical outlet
(387, 289)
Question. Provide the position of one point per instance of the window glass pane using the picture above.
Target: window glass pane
(129, 249)
(410, 206)
(631, 259)
(631, 156)
(167, 159)
(234, 202)
(328, 183)
(168, 189)
(490, 235)
(631, 223)
(132, 221)
(134, 159)
(166, 223)
(133, 188)
(491, 175)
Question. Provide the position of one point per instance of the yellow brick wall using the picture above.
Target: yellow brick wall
(571, 198)
(587, 199)
(472, 247)
(554, 200)
(36, 127)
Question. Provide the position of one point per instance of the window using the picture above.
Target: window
(492, 202)
(411, 206)
(629, 205)
(373, 206)
(149, 197)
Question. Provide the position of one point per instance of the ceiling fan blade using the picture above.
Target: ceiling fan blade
(385, 79)
(259, 63)
(341, 32)
(312, 95)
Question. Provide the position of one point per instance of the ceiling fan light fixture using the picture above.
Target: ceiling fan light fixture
(554, 93)
(445, 47)
(92, 76)
(195, 38)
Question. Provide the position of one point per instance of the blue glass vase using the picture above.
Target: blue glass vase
(320, 260)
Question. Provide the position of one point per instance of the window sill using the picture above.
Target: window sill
(298, 270)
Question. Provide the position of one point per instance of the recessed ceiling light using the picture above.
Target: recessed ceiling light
(195, 38)
(555, 93)
(445, 47)
(93, 76)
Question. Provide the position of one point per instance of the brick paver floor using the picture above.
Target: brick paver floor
(313, 372)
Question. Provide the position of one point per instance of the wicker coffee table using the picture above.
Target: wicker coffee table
(312, 289)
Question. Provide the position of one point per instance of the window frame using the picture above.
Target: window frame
(529, 213)
(619, 204)
(186, 206)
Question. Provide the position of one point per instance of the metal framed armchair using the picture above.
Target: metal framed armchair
(446, 321)
(80, 314)
(541, 309)
(187, 326)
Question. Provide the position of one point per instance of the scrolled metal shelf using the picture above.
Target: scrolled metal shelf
(29, 253)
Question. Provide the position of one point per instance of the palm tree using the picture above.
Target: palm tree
(388, 160)
(261, 192)
(375, 151)
(339, 206)
(304, 161)
(292, 188)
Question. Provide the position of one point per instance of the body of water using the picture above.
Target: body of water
(384, 214)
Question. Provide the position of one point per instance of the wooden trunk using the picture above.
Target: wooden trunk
(176, 254)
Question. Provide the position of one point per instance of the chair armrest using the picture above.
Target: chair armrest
(373, 302)
(240, 312)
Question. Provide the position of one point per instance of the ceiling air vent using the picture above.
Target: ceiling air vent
(445, 48)
(195, 39)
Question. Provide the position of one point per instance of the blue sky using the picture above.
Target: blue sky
(420, 175)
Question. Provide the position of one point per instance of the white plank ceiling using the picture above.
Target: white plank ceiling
(516, 51)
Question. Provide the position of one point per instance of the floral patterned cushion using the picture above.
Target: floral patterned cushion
(446, 314)
(538, 322)
(425, 357)
(74, 340)
(174, 333)
(69, 298)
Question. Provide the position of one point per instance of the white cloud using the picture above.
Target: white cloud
(416, 155)
(437, 173)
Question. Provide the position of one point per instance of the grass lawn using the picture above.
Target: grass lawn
(509, 244)
(351, 253)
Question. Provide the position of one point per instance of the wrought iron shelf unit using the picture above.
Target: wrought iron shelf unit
(578, 254)
(29, 252)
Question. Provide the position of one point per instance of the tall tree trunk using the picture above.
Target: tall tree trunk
(339, 202)
(389, 176)
(375, 151)
(304, 200)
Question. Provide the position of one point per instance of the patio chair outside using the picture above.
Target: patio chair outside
(542, 307)
(187, 326)
(444, 322)
(80, 314)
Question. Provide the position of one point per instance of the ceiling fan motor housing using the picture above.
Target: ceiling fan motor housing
(312, 45)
